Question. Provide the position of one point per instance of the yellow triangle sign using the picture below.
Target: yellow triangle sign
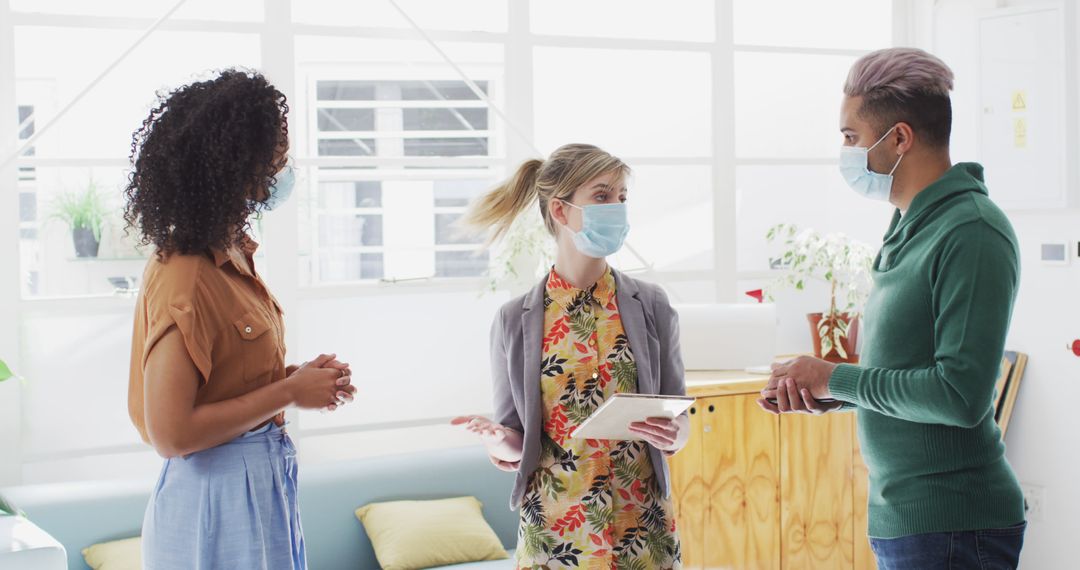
(1018, 101)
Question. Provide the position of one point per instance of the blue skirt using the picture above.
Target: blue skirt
(231, 507)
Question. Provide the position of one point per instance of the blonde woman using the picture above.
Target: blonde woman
(584, 333)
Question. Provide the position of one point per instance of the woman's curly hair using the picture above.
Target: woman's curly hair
(205, 149)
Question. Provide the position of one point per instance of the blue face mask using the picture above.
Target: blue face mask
(278, 193)
(854, 167)
(603, 229)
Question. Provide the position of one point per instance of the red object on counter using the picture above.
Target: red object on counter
(759, 294)
(1076, 347)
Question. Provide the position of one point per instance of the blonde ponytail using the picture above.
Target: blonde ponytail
(567, 169)
(497, 210)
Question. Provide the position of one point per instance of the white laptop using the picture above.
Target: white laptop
(735, 336)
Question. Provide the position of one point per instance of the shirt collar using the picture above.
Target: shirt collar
(246, 247)
(562, 292)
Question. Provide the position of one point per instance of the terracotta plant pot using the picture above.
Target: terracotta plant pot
(850, 342)
(85, 243)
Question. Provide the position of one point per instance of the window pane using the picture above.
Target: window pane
(460, 263)
(351, 267)
(347, 147)
(359, 194)
(350, 231)
(446, 147)
(771, 121)
(57, 259)
(234, 10)
(85, 357)
(406, 90)
(27, 207)
(416, 108)
(453, 193)
(391, 57)
(101, 123)
(808, 196)
(600, 96)
(463, 15)
(671, 218)
(439, 90)
(24, 113)
(452, 374)
(852, 24)
(412, 219)
(346, 119)
(346, 90)
(445, 119)
(691, 20)
(447, 233)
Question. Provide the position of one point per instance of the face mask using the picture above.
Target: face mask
(280, 192)
(854, 167)
(603, 229)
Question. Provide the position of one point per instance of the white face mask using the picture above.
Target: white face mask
(280, 192)
(603, 229)
(854, 167)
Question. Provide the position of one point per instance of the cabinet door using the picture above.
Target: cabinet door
(817, 491)
(864, 556)
(741, 471)
(688, 494)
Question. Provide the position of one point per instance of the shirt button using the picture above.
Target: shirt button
(247, 330)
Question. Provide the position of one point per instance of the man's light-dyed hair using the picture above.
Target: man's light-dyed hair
(905, 85)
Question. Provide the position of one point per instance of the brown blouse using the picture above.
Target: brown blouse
(231, 324)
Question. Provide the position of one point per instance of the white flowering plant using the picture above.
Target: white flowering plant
(842, 262)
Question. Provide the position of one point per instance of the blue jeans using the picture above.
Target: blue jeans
(991, 549)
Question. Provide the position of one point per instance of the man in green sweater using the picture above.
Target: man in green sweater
(942, 494)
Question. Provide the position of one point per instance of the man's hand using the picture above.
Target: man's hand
(797, 385)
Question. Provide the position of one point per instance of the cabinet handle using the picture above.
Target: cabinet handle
(693, 411)
(712, 408)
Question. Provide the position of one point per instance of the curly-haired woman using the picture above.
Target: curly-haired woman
(209, 382)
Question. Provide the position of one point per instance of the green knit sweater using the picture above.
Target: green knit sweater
(935, 326)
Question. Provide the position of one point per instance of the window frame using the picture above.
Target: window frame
(277, 35)
(309, 135)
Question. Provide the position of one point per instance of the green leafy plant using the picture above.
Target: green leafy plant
(7, 508)
(5, 371)
(845, 264)
(82, 210)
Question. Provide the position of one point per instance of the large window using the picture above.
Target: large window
(788, 88)
(725, 111)
(395, 219)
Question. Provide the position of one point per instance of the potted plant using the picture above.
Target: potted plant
(845, 264)
(84, 213)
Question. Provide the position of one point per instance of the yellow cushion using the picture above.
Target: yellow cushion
(410, 535)
(116, 555)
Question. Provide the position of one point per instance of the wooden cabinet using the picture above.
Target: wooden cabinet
(757, 491)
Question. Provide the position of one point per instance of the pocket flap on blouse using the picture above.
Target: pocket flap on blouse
(251, 326)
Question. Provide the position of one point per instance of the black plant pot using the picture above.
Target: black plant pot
(85, 243)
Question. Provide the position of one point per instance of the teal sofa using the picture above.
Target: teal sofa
(85, 513)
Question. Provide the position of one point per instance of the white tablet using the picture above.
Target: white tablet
(612, 420)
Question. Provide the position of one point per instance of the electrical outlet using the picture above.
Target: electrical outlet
(1034, 501)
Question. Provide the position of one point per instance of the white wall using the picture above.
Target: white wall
(1042, 437)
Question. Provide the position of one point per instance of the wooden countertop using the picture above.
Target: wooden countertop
(703, 383)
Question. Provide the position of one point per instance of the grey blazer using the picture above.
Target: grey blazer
(652, 327)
